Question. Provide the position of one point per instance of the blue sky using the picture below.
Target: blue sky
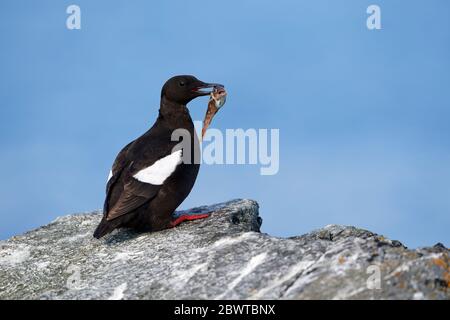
(363, 115)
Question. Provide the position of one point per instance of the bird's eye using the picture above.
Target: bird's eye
(181, 84)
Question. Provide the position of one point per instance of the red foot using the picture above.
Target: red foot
(188, 217)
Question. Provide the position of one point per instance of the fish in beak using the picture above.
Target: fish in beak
(205, 89)
(216, 101)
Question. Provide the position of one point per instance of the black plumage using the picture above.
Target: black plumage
(145, 206)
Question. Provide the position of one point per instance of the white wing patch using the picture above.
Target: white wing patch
(158, 172)
(109, 176)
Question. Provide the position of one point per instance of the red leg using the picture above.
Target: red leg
(188, 217)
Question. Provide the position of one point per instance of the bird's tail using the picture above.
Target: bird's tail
(105, 227)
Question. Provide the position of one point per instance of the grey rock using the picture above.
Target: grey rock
(221, 257)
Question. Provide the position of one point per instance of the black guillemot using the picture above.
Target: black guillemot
(148, 179)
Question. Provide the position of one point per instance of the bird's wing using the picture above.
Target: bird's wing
(134, 195)
(118, 166)
(143, 185)
(139, 181)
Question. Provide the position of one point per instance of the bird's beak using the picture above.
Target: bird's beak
(202, 88)
(217, 100)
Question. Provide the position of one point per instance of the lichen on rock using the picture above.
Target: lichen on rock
(221, 257)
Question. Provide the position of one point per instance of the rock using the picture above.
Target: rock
(222, 257)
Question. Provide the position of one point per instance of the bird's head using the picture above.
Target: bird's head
(182, 89)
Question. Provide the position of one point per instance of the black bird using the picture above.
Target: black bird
(148, 179)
